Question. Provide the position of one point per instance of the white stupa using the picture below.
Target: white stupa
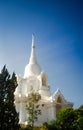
(36, 78)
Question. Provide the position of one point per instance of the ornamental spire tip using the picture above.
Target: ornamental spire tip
(33, 46)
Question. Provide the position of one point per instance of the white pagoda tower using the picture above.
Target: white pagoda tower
(36, 78)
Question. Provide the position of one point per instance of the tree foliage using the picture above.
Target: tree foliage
(67, 119)
(50, 125)
(70, 119)
(33, 107)
(78, 122)
(8, 115)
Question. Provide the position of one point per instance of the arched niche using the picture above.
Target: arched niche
(43, 79)
(59, 99)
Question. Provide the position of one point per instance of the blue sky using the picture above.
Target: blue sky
(58, 28)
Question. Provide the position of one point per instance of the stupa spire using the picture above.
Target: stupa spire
(32, 68)
(33, 56)
(33, 46)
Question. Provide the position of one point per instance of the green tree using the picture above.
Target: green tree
(70, 119)
(65, 119)
(33, 107)
(8, 115)
(78, 122)
(50, 125)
